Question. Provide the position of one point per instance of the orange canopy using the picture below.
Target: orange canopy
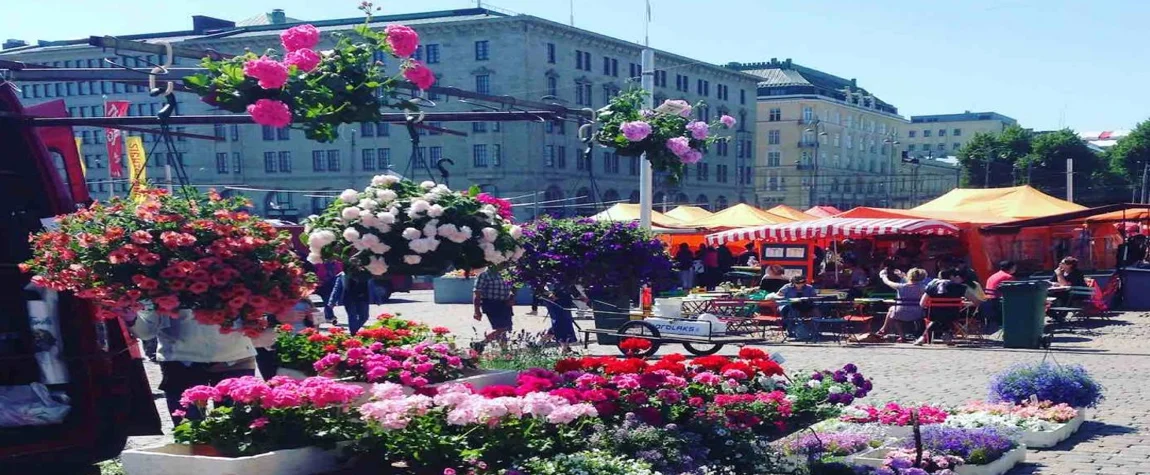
(822, 211)
(992, 205)
(630, 212)
(688, 213)
(738, 216)
(789, 212)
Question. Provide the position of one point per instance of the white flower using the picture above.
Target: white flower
(427, 185)
(390, 179)
(441, 189)
(430, 197)
(351, 213)
(383, 228)
(379, 180)
(315, 241)
(465, 230)
(386, 217)
(515, 231)
(368, 204)
(488, 210)
(518, 253)
(385, 196)
(369, 220)
(412, 259)
(490, 234)
(379, 248)
(351, 235)
(410, 234)
(377, 266)
(315, 258)
(834, 389)
(487, 247)
(327, 236)
(429, 230)
(435, 211)
(814, 384)
(369, 240)
(420, 206)
(349, 196)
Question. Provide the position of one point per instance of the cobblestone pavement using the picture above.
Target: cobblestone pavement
(1114, 440)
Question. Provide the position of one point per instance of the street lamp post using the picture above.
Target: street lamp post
(893, 142)
(914, 163)
(819, 131)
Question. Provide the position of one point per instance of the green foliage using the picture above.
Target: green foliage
(111, 467)
(1002, 151)
(1131, 153)
(524, 351)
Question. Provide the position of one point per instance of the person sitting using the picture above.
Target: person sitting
(1006, 270)
(746, 257)
(950, 285)
(774, 279)
(906, 307)
(1068, 275)
(859, 279)
(799, 304)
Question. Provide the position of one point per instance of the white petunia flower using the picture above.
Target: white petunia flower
(410, 234)
(420, 206)
(351, 213)
(379, 248)
(390, 179)
(490, 234)
(351, 235)
(515, 231)
(429, 230)
(349, 196)
(369, 220)
(377, 266)
(326, 236)
(435, 211)
(315, 240)
(315, 258)
(427, 185)
(378, 180)
(368, 204)
(412, 259)
(385, 196)
(386, 217)
(369, 240)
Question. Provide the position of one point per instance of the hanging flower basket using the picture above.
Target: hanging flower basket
(316, 90)
(192, 252)
(666, 134)
(398, 227)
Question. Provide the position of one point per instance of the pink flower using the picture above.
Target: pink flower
(270, 112)
(419, 75)
(199, 396)
(258, 423)
(402, 39)
(141, 237)
(635, 131)
(179, 413)
(270, 73)
(698, 129)
(692, 156)
(679, 146)
(304, 59)
(727, 121)
(300, 37)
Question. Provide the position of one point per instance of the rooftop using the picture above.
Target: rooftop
(963, 117)
(787, 77)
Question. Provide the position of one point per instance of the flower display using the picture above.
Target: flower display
(398, 227)
(1042, 410)
(414, 366)
(821, 394)
(1069, 384)
(606, 257)
(900, 461)
(316, 91)
(893, 414)
(300, 351)
(591, 462)
(634, 346)
(666, 134)
(247, 416)
(831, 444)
(973, 446)
(206, 254)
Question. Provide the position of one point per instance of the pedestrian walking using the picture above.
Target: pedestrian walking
(327, 273)
(355, 296)
(493, 296)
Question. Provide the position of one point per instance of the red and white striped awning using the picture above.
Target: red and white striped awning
(835, 228)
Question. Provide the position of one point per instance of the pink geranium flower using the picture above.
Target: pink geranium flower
(270, 112)
(270, 73)
(419, 74)
(727, 121)
(304, 59)
(698, 129)
(679, 146)
(300, 37)
(635, 131)
(402, 39)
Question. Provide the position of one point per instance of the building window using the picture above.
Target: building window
(269, 162)
(219, 131)
(367, 129)
(926, 133)
(582, 60)
(237, 163)
(660, 78)
(910, 147)
(552, 86)
(333, 161)
(222, 163)
(808, 114)
(941, 147)
(956, 132)
(610, 162)
(955, 146)
(420, 157)
(582, 162)
(481, 50)
(318, 164)
(479, 127)
(283, 133)
(435, 154)
(942, 132)
(384, 157)
(775, 115)
(561, 157)
(551, 53)
(432, 54)
(549, 156)
(285, 162)
(702, 171)
(774, 137)
(479, 155)
(582, 93)
(774, 159)
(269, 133)
(382, 129)
(496, 155)
(235, 133)
(483, 84)
(636, 71)
(610, 67)
(368, 159)
(911, 134)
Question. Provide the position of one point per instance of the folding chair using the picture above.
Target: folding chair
(932, 304)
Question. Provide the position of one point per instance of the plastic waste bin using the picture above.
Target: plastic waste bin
(1023, 312)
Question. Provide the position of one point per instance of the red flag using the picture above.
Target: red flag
(115, 138)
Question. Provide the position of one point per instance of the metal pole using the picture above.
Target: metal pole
(1070, 180)
(815, 168)
(646, 179)
(986, 171)
(168, 176)
(1145, 170)
(535, 207)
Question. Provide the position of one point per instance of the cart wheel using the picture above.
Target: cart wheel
(702, 349)
(643, 330)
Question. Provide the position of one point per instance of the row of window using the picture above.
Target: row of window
(775, 114)
(611, 68)
(939, 147)
(140, 109)
(941, 133)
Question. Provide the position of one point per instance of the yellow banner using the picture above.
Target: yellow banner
(80, 153)
(137, 162)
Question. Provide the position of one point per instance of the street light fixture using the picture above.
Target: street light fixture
(819, 130)
(893, 142)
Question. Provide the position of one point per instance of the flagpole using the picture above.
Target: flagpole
(647, 63)
(111, 179)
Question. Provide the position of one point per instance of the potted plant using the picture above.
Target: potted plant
(1044, 381)
(610, 259)
(316, 90)
(1043, 424)
(281, 426)
(189, 255)
(895, 419)
(666, 134)
(985, 451)
(299, 351)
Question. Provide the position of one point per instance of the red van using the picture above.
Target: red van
(98, 378)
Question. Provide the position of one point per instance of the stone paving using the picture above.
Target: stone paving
(1114, 440)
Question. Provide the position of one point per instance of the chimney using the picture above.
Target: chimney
(278, 16)
(787, 64)
(12, 43)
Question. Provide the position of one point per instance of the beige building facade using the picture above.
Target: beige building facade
(942, 135)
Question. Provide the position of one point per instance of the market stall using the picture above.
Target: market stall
(789, 212)
(688, 213)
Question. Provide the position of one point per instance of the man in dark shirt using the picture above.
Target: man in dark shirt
(745, 257)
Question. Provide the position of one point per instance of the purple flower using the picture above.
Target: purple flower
(679, 146)
(857, 379)
(686, 112)
(647, 113)
(727, 121)
(699, 130)
(900, 463)
(850, 368)
(839, 377)
(692, 156)
(636, 131)
(834, 398)
(817, 376)
(860, 393)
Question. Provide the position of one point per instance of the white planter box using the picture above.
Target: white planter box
(177, 459)
(998, 467)
(1047, 439)
(873, 458)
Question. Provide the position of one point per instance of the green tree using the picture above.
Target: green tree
(998, 151)
(1132, 153)
(1045, 166)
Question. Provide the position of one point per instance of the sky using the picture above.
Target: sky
(1047, 63)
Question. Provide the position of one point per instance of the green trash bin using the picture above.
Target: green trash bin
(1023, 312)
(610, 314)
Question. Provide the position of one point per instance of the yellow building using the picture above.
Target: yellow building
(942, 135)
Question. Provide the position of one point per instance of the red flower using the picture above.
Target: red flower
(384, 316)
(353, 343)
(286, 328)
(495, 391)
(330, 348)
(441, 330)
(141, 237)
(749, 353)
(634, 346)
(674, 358)
(768, 367)
(625, 366)
(316, 337)
(198, 288)
(711, 363)
(568, 364)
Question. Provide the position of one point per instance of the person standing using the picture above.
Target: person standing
(493, 296)
(710, 266)
(685, 262)
(327, 273)
(909, 292)
(355, 296)
(748, 255)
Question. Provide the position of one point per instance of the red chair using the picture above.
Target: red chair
(930, 304)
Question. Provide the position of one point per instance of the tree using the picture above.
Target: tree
(998, 151)
(1045, 165)
(1131, 154)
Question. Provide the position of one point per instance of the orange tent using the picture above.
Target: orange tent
(630, 212)
(998, 204)
(822, 211)
(789, 212)
(688, 213)
(738, 216)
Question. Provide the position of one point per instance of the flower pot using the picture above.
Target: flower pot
(1050, 438)
(291, 373)
(453, 290)
(181, 459)
(998, 467)
(873, 458)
